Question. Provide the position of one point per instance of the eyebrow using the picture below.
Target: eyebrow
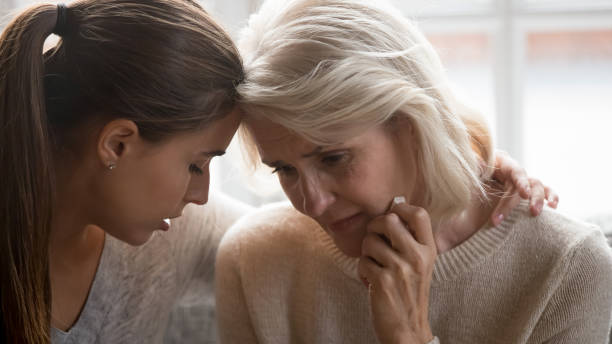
(314, 152)
(278, 163)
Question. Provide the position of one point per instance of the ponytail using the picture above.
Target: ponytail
(26, 183)
(181, 75)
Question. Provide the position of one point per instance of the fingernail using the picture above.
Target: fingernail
(499, 218)
(396, 200)
(539, 206)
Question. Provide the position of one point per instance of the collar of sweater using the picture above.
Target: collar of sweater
(449, 264)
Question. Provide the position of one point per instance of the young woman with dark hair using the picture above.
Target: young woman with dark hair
(110, 131)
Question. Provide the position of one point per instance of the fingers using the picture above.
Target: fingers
(536, 202)
(396, 266)
(551, 197)
(403, 235)
(506, 203)
(377, 249)
(509, 170)
(539, 194)
(417, 220)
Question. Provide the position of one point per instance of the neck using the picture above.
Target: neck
(75, 249)
(72, 238)
(453, 232)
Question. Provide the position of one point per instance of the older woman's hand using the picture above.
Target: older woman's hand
(518, 185)
(398, 256)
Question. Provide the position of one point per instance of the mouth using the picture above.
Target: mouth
(345, 224)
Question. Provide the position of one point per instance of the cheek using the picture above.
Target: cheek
(370, 183)
(161, 189)
(293, 193)
(173, 185)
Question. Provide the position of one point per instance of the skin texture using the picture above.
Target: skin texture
(151, 181)
(342, 187)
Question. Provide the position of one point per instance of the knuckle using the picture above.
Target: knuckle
(422, 262)
(403, 270)
(421, 214)
(391, 219)
(385, 279)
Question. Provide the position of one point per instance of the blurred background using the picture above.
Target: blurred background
(540, 71)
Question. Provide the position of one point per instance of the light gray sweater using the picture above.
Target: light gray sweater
(135, 289)
(548, 279)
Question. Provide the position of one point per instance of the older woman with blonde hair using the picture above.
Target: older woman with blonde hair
(348, 103)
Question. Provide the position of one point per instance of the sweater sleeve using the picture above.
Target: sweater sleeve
(580, 309)
(200, 229)
(233, 320)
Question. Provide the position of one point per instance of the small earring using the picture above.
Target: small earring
(111, 166)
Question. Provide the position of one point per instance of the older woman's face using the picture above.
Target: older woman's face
(342, 186)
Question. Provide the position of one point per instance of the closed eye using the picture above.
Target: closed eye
(193, 168)
(334, 159)
(285, 169)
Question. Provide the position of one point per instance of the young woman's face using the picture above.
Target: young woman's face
(343, 186)
(158, 180)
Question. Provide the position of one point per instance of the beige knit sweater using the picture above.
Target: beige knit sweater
(547, 279)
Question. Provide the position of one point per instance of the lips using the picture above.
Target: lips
(345, 224)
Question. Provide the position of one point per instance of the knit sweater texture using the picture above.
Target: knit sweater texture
(135, 289)
(545, 279)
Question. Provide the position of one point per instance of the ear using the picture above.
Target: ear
(116, 138)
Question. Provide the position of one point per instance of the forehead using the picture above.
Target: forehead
(272, 139)
(276, 142)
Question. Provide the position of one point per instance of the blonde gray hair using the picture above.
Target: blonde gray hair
(330, 69)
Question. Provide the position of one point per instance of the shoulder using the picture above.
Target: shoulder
(564, 241)
(189, 247)
(555, 231)
(218, 214)
(272, 220)
(276, 226)
(201, 227)
(574, 261)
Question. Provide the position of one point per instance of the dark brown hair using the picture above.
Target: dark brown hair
(163, 64)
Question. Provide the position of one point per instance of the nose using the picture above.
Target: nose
(315, 197)
(198, 188)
